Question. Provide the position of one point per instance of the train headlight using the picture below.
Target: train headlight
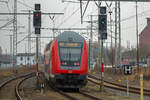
(77, 64)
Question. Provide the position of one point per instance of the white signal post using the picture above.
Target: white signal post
(37, 55)
(127, 86)
(127, 71)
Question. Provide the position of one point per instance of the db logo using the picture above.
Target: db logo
(70, 71)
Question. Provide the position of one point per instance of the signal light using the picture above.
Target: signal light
(37, 19)
(103, 23)
(102, 26)
(37, 15)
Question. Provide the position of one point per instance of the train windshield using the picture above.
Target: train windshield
(70, 54)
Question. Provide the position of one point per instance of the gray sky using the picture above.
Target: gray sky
(71, 18)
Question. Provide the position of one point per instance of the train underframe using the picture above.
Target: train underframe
(69, 80)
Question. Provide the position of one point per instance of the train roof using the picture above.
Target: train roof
(70, 36)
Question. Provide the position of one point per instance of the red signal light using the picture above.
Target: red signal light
(37, 15)
(37, 19)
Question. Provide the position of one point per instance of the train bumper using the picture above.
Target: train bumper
(70, 80)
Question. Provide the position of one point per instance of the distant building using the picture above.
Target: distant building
(25, 59)
(144, 37)
(5, 61)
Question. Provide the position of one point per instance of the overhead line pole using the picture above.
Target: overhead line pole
(29, 34)
(112, 58)
(11, 49)
(15, 35)
(91, 37)
(120, 62)
(115, 33)
(137, 37)
(29, 39)
(90, 41)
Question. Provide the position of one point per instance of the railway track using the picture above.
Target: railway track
(90, 96)
(116, 86)
(72, 96)
(62, 93)
(11, 84)
(17, 92)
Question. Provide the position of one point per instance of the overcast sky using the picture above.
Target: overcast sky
(71, 18)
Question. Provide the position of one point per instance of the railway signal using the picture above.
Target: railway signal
(102, 23)
(103, 26)
(37, 19)
(102, 30)
(37, 26)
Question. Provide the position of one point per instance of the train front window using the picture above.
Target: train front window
(70, 54)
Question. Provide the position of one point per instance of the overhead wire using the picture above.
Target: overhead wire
(8, 23)
(25, 4)
(68, 17)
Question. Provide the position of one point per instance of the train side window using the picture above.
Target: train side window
(21, 58)
(28, 58)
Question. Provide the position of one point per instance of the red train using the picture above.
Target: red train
(66, 60)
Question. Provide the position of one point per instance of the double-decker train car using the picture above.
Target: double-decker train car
(66, 61)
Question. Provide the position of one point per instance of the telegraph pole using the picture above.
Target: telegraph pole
(91, 33)
(29, 39)
(137, 37)
(110, 12)
(115, 33)
(25, 56)
(11, 48)
(29, 34)
(90, 41)
(15, 35)
(120, 61)
(99, 56)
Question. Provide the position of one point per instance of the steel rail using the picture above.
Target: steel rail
(90, 96)
(18, 95)
(73, 98)
(120, 87)
(14, 78)
(62, 93)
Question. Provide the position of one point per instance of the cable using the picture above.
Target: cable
(68, 17)
(8, 23)
(23, 38)
(64, 10)
(130, 17)
(25, 4)
(8, 7)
